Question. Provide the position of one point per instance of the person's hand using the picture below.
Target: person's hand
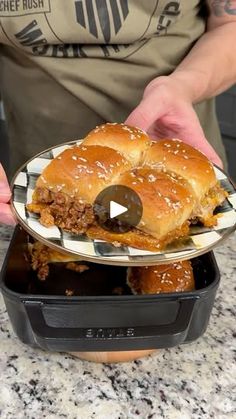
(6, 216)
(166, 111)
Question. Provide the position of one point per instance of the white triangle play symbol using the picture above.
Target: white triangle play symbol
(116, 209)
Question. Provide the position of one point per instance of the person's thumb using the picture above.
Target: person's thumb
(145, 114)
(5, 192)
(6, 216)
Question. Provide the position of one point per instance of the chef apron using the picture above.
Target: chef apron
(66, 66)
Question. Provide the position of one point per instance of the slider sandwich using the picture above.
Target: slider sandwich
(172, 277)
(158, 279)
(175, 182)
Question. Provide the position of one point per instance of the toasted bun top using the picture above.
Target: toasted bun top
(174, 277)
(83, 171)
(167, 200)
(184, 160)
(130, 141)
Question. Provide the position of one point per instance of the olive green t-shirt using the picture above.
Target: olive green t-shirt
(66, 66)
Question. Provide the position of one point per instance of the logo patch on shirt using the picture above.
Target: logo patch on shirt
(102, 16)
(23, 7)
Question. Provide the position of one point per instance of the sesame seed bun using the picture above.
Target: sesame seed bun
(83, 171)
(130, 141)
(173, 277)
(167, 200)
(182, 159)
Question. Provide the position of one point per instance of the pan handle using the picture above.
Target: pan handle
(110, 338)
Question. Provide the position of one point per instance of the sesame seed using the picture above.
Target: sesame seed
(43, 179)
(81, 166)
(151, 178)
(176, 205)
(102, 176)
(101, 165)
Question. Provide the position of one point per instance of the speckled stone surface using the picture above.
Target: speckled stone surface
(194, 381)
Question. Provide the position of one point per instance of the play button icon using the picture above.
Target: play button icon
(118, 209)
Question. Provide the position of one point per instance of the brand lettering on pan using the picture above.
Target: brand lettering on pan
(21, 7)
(108, 333)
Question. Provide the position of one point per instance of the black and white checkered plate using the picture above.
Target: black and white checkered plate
(200, 241)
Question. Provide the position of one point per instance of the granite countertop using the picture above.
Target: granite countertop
(194, 381)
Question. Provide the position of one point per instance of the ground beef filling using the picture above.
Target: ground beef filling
(64, 212)
(204, 212)
(77, 217)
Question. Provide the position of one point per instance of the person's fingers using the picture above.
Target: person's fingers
(186, 127)
(5, 192)
(6, 216)
(198, 140)
(146, 113)
(211, 155)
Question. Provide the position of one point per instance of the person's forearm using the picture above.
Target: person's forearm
(210, 67)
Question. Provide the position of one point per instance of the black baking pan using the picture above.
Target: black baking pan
(95, 318)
